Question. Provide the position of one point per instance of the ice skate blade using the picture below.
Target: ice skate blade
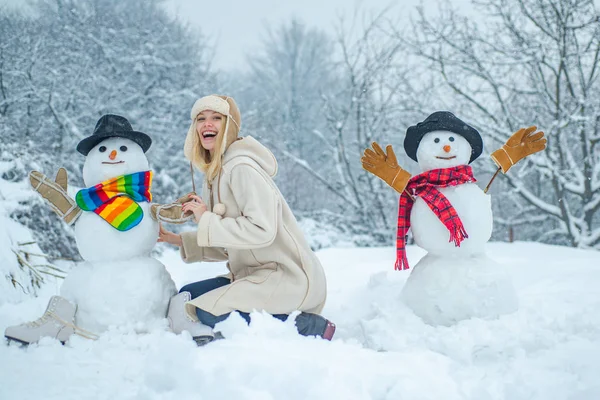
(203, 340)
(22, 343)
(12, 339)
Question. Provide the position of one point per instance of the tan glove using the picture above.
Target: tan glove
(521, 144)
(385, 166)
(55, 194)
(172, 213)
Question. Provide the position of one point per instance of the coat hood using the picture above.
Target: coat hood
(249, 147)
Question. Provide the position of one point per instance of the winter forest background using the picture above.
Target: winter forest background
(317, 100)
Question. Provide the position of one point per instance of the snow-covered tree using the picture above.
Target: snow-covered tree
(319, 101)
(282, 98)
(74, 60)
(372, 99)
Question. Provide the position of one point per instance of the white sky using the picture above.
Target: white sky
(238, 25)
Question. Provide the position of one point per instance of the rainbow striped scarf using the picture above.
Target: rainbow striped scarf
(115, 199)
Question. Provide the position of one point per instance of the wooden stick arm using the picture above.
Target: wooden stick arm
(492, 180)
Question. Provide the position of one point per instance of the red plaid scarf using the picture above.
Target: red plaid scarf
(425, 186)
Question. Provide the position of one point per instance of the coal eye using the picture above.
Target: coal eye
(436, 140)
(124, 148)
(451, 138)
(102, 149)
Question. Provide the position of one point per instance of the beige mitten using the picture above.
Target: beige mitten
(172, 213)
(55, 194)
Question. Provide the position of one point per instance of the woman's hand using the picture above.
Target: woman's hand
(169, 237)
(196, 206)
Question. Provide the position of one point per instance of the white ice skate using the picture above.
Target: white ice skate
(180, 319)
(57, 322)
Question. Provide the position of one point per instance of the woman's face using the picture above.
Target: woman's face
(208, 125)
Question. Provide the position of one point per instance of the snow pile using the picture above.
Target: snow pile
(444, 290)
(133, 292)
(548, 349)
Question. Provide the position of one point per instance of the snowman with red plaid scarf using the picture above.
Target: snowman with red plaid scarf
(451, 218)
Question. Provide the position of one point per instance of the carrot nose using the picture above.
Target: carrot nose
(447, 148)
(112, 155)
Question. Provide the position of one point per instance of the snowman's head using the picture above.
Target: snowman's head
(442, 128)
(443, 149)
(113, 157)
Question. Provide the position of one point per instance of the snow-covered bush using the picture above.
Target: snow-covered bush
(24, 267)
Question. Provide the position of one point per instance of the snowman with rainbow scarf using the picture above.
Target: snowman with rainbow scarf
(116, 227)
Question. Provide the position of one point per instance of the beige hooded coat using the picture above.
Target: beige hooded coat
(271, 265)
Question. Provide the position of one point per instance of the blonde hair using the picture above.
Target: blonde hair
(228, 133)
(201, 158)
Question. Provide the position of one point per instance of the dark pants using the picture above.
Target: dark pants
(307, 324)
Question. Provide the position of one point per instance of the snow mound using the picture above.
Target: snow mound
(548, 349)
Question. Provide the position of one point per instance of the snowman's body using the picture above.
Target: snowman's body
(119, 283)
(98, 241)
(453, 283)
(475, 211)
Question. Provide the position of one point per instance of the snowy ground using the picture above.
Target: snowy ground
(548, 350)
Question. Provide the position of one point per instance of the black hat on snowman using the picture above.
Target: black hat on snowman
(442, 121)
(111, 125)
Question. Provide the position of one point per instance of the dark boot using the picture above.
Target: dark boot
(314, 325)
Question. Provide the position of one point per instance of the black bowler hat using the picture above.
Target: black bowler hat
(111, 125)
(442, 121)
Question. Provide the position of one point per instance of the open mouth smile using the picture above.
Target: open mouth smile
(209, 134)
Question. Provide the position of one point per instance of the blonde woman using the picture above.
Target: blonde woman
(243, 219)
